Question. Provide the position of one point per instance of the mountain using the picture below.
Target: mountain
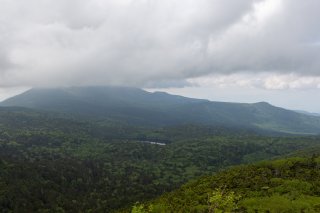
(308, 113)
(119, 103)
(138, 107)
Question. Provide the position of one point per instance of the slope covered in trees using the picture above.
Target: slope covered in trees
(285, 185)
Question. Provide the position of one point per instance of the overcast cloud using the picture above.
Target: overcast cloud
(154, 42)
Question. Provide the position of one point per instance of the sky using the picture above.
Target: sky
(224, 50)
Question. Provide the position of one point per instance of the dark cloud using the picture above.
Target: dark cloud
(139, 42)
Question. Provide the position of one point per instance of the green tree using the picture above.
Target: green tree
(221, 201)
(140, 208)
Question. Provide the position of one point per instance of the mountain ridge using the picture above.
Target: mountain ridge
(139, 107)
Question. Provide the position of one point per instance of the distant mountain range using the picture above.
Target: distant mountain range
(138, 107)
(308, 113)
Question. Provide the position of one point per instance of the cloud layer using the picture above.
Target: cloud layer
(153, 42)
(261, 80)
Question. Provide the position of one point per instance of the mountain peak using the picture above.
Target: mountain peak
(263, 103)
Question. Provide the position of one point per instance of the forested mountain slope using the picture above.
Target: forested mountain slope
(286, 185)
(138, 107)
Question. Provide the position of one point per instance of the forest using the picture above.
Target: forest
(283, 185)
(57, 164)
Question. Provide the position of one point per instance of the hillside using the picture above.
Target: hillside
(286, 185)
(138, 107)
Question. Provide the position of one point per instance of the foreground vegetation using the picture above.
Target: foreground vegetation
(286, 185)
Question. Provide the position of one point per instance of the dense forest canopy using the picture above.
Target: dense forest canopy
(285, 185)
(54, 163)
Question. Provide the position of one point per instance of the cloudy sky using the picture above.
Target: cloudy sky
(226, 50)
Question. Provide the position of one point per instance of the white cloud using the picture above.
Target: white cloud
(291, 82)
(144, 42)
(272, 81)
(8, 92)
